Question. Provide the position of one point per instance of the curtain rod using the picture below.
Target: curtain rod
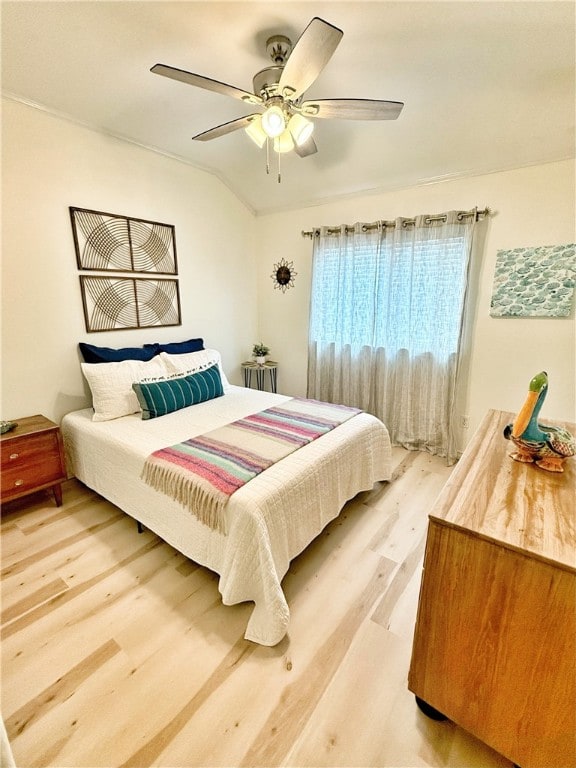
(407, 222)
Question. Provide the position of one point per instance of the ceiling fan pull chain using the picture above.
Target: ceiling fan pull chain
(267, 154)
(279, 175)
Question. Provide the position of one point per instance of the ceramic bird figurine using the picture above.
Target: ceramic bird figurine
(548, 447)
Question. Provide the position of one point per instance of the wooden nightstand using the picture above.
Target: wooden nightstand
(32, 459)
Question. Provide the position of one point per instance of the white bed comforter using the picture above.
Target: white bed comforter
(270, 520)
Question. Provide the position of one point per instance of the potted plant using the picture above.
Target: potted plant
(259, 352)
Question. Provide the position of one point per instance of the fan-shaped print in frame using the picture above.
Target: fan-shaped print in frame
(158, 302)
(152, 247)
(120, 303)
(108, 242)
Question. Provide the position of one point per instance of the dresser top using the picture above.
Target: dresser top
(518, 505)
(29, 425)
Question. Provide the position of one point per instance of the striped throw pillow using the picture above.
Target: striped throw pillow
(157, 398)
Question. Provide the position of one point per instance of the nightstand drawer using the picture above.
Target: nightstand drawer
(30, 450)
(31, 459)
(31, 462)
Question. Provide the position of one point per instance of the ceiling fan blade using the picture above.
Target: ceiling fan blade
(309, 56)
(222, 130)
(205, 82)
(352, 109)
(307, 148)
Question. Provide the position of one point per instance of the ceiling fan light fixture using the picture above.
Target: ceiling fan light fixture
(300, 128)
(282, 123)
(273, 121)
(284, 143)
(256, 132)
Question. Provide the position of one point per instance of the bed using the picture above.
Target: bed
(269, 520)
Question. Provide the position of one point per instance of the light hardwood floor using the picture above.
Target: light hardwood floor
(117, 651)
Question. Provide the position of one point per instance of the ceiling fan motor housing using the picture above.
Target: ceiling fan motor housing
(278, 47)
(266, 81)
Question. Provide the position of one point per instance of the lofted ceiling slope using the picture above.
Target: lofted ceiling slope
(487, 86)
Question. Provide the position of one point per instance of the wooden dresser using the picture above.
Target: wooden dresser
(494, 645)
(32, 458)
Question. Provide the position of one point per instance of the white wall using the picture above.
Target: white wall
(50, 164)
(532, 206)
(226, 291)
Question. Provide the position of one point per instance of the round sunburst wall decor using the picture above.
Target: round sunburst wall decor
(283, 275)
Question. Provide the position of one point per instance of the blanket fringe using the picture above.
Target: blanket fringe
(220, 458)
(206, 505)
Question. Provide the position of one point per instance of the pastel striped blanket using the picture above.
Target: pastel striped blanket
(203, 472)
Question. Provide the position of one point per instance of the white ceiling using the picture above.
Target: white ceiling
(487, 86)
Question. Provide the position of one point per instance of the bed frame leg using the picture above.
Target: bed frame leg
(139, 524)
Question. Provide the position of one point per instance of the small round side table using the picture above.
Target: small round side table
(250, 367)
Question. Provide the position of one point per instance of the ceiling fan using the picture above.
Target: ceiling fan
(283, 121)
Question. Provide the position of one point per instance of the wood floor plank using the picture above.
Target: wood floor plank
(161, 692)
(39, 596)
(242, 708)
(19, 565)
(107, 606)
(137, 662)
(399, 616)
(30, 526)
(63, 730)
(284, 724)
(42, 610)
(12, 536)
(75, 562)
(60, 690)
(148, 753)
(411, 506)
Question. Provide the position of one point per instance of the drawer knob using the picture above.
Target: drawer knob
(19, 482)
(14, 456)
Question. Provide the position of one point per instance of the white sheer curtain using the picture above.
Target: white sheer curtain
(385, 323)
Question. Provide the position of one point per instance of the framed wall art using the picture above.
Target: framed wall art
(534, 281)
(108, 242)
(121, 303)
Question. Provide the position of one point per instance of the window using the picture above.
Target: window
(385, 323)
(390, 295)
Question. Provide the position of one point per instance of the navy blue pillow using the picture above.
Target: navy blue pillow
(92, 354)
(179, 347)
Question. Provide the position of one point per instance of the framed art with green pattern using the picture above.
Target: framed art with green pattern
(536, 281)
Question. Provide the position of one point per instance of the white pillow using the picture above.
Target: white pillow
(191, 362)
(111, 385)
